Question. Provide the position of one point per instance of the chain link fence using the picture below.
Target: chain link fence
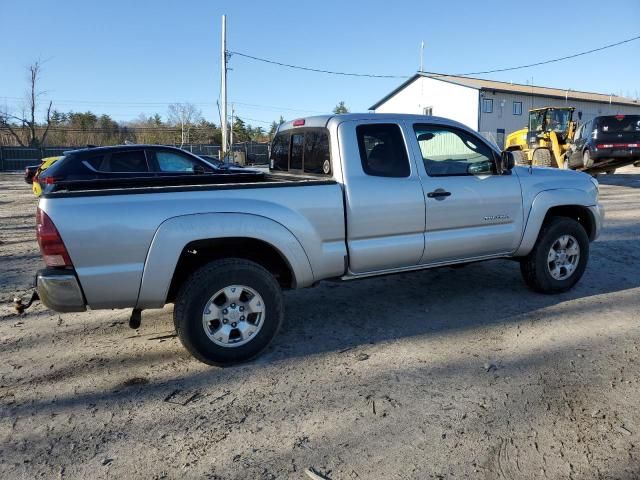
(18, 158)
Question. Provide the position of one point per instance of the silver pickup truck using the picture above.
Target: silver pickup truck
(347, 197)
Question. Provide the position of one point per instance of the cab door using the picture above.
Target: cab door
(472, 211)
(384, 199)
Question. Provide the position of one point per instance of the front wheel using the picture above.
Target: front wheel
(519, 157)
(542, 158)
(559, 257)
(228, 311)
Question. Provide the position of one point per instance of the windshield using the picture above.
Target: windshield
(549, 120)
(558, 120)
(619, 124)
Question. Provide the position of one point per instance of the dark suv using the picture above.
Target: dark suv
(128, 162)
(606, 143)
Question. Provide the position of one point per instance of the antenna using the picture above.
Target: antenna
(422, 56)
(223, 85)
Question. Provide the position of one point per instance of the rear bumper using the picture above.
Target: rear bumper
(60, 290)
(615, 154)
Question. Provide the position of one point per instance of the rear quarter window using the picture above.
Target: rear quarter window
(57, 166)
(382, 150)
(131, 161)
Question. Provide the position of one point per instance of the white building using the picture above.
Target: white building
(493, 108)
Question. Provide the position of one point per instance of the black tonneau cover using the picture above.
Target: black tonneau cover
(181, 183)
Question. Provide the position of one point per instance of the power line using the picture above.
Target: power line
(317, 70)
(242, 117)
(496, 70)
(554, 60)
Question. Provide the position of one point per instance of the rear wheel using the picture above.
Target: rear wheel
(611, 171)
(542, 158)
(587, 161)
(228, 311)
(558, 258)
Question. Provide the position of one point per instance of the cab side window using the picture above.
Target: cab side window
(382, 150)
(448, 151)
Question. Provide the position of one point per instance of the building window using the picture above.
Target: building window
(427, 111)
(487, 105)
(517, 108)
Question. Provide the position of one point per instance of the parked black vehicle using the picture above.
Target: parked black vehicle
(29, 173)
(605, 143)
(216, 162)
(131, 163)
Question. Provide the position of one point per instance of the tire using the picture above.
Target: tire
(611, 171)
(542, 158)
(200, 300)
(587, 161)
(519, 157)
(536, 268)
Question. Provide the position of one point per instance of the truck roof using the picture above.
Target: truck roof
(324, 120)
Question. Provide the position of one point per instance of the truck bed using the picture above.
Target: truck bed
(182, 183)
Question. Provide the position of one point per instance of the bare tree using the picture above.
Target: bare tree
(184, 115)
(27, 119)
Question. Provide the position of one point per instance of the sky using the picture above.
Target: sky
(127, 58)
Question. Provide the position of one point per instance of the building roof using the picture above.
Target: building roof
(494, 85)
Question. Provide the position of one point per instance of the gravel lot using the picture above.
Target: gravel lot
(451, 373)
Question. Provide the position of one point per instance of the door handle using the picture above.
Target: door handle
(439, 194)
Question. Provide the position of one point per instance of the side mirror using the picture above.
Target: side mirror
(423, 137)
(507, 162)
(199, 170)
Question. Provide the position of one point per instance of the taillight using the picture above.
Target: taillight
(52, 247)
(49, 180)
(617, 145)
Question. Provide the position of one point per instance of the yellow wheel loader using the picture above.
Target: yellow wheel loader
(546, 140)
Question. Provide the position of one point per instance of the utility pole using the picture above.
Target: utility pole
(223, 86)
(231, 132)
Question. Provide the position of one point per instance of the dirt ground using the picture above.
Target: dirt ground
(441, 374)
